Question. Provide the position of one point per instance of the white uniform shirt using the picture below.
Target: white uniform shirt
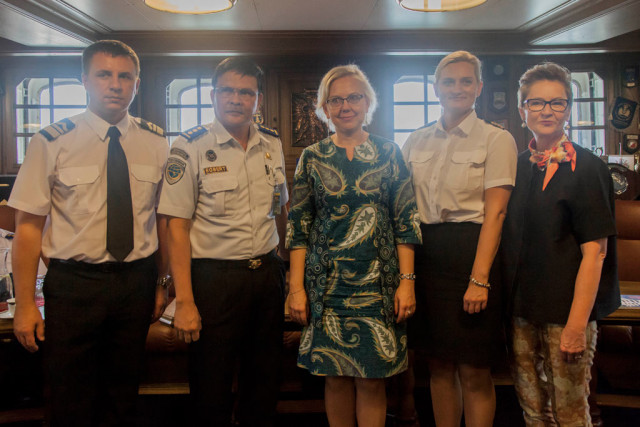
(452, 169)
(66, 179)
(227, 192)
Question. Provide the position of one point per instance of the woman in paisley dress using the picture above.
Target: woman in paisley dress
(352, 226)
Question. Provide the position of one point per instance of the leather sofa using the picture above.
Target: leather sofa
(617, 361)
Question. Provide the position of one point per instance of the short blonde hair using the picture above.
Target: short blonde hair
(334, 74)
(460, 56)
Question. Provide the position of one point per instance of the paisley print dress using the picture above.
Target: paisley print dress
(349, 215)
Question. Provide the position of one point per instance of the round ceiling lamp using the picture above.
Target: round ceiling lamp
(192, 7)
(439, 5)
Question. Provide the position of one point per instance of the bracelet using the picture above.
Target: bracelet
(482, 285)
(293, 293)
(408, 276)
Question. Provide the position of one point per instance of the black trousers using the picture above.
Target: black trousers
(242, 313)
(97, 319)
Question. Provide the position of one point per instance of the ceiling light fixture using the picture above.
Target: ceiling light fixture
(192, 7)
(439, 5)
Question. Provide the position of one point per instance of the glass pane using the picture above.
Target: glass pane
(31, 120)
(173, 119)
(587, 85)
(33, 92)
(21, 145)
(431, 93)
(400, 138)
(587, 114)
(591, 139)
(63, 113)
(189, 96)
(172, 139)
(207, 115)
(176, 87)
(45, 117)
(69, 93)
(408, 116)
(409, 89)
(205, 94)
(188, 118)
(433, 113)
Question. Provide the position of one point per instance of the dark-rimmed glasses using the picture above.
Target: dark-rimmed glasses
(536, 104)
(245, 94)
(338, 101)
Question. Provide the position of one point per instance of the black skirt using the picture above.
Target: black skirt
(440, 326)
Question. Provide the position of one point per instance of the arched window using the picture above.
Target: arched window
(588, 111)
(42, 101)
(188, 104)
(414, 105)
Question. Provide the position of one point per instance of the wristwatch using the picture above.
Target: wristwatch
(165, 281)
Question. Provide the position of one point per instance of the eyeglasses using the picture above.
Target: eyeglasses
(536, 104)
(338, 101)
(227, 92)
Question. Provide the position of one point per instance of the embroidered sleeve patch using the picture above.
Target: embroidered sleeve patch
(174, 170)
(179, 152)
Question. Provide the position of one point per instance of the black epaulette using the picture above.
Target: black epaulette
(193, 133)
(151, 127)
(498, 125)
(57, 129)
(268, 131)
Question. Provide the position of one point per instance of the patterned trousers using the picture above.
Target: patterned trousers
(551, 391)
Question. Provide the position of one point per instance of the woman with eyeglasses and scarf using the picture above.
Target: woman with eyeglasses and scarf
(559, 256)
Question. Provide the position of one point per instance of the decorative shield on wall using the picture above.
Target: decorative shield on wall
(306, 127)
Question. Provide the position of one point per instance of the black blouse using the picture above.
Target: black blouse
(543, 232)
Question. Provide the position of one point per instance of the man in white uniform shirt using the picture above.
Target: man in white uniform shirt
(225, 195)
(94, 180)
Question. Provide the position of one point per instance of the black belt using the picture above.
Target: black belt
(103, 267)
(251, 263)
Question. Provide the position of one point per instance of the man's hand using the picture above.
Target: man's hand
(187, 321)
(27, 325)
(162, 296)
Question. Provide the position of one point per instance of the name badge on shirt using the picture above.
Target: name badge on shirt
(214, 169)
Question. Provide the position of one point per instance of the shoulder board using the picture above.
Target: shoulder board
(57, 129)
(268, 131)
(193, 133)
(149, 126)
(428, 124)
(498, 125)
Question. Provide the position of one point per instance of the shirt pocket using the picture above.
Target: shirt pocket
(144, 186)
(78, 189)
(218, 193)
(420, 159)
(467, 170)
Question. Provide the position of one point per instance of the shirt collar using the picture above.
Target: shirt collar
(463, 129)
(224, 137)
(101, 126)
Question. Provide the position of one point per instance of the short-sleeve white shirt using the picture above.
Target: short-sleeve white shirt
(66, 179)
(227, 192)
(451, 170)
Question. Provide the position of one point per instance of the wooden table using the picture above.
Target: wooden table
(625, 316)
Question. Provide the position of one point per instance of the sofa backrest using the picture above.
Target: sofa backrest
(628, 225)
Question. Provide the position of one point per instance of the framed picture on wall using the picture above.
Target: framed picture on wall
(307, 128)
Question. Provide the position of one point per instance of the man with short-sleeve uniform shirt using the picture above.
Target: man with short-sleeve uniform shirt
(100, 289)
(225, 195)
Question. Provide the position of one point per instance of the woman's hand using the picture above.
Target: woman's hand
(475, 299)
(573, 342)
(299, 306)
(404, 304)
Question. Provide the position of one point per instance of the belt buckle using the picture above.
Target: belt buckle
(254, 263)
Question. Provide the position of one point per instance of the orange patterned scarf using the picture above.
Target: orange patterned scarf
(563, 151)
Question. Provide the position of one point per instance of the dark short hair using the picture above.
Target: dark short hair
(546, 71)
(241, 65)
(111, 47)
